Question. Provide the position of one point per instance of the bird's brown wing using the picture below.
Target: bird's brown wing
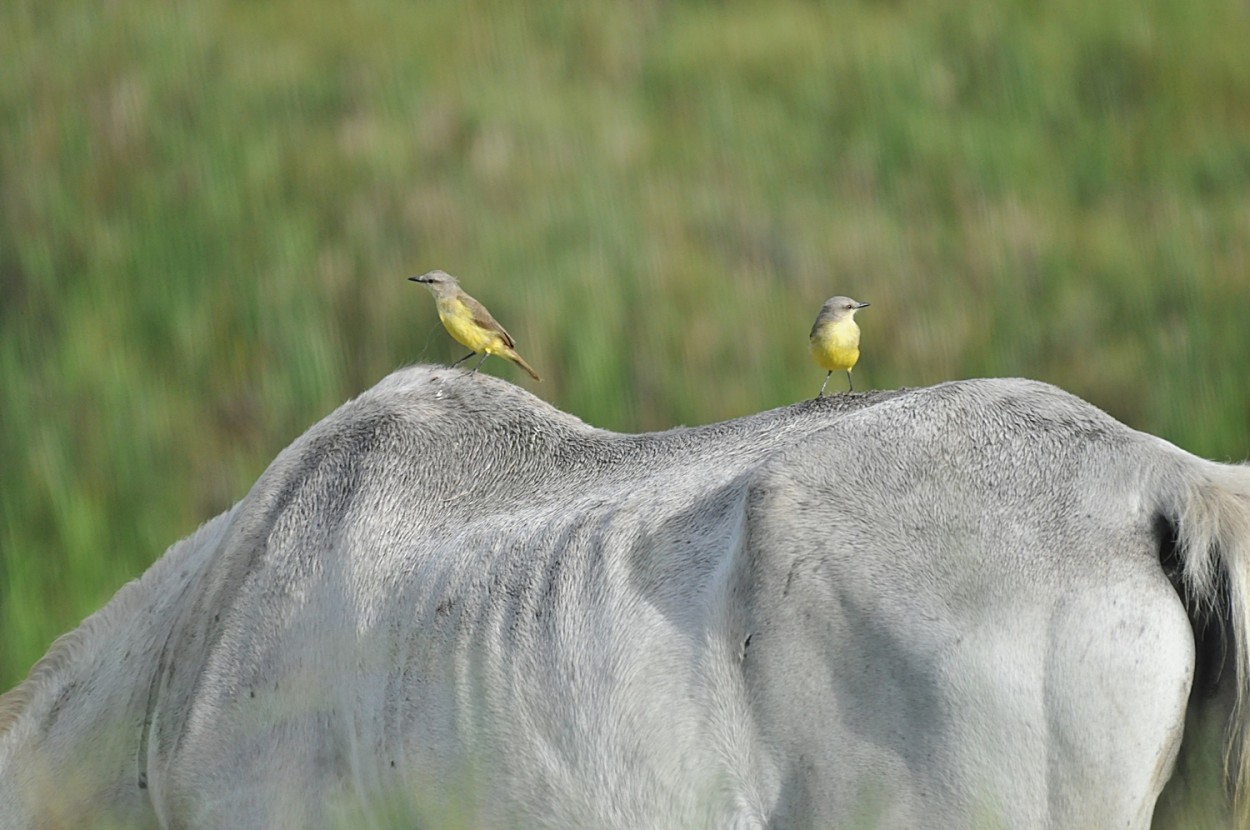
(482, 317)
(820, 319)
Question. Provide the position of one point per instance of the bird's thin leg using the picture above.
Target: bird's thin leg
(850, 382)
(463, 359)
(480, 362)
(821, 393)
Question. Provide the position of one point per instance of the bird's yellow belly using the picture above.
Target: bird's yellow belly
(836, 349)
(835, 359)
(458, 321)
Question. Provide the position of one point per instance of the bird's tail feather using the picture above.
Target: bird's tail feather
(520, 361)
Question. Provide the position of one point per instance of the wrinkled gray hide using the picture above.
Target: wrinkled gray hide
(451, 605)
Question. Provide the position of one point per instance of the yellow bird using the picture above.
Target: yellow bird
(835, 338)
(469, 322)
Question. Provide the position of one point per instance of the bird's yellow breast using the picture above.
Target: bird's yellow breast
(835, 346)
(458, 320)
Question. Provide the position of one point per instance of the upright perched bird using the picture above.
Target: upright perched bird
(469, 322)
(835, 338)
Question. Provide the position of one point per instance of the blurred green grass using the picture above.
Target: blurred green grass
(210, 209)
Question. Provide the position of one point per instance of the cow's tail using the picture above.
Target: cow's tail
(1208, 507)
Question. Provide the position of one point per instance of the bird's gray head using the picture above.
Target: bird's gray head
(438, 282)
(839, 307)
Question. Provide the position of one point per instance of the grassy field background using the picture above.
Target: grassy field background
(210, 208)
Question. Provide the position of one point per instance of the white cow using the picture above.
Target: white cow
(451, 605)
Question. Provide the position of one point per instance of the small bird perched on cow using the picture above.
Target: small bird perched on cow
(469, 322)
(834, 339)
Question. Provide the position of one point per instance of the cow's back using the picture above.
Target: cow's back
(449, 604)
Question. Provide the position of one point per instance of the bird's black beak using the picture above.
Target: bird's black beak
(418, 279)
(860, 305)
